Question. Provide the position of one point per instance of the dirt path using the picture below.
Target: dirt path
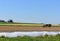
(18, 28)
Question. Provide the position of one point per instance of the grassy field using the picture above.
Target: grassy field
(25, 24)
(19, 24)
(27, 38)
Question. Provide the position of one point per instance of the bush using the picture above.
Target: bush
(2, 36)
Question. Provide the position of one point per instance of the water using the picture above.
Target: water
(35, 33)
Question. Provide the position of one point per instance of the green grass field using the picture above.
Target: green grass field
(19, 24)
(27, 38)
(24, 24)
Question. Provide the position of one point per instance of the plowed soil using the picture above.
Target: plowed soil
(20, 28)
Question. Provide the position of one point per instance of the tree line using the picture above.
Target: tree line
(9, 21)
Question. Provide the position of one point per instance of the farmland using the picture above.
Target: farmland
(19, 24)
(19, 28)
(27, 27)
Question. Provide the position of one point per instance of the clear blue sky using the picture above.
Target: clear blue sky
(34, 11)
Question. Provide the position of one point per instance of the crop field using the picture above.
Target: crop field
(27, 27)
(28, 38)
(25, 24)
(20, 24)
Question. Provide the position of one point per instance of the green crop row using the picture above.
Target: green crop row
(28, 38)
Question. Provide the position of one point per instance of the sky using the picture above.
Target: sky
(31, 11)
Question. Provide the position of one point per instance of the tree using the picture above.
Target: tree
(10, 21)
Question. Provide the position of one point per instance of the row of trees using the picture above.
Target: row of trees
(9, 21)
